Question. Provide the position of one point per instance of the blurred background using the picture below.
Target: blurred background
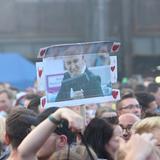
(28, 25)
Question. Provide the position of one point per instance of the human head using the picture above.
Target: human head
(154, 89)
(149, 125)
(138, 147)
(6, 99)
(147, 102)
(140, 88)
(18, 124)
(126, 122)
(103, 112)
(78, 152)
(33, 102)
(2, 131)
(99, 134)
(128, 104)
(58, 139)
(74, 64)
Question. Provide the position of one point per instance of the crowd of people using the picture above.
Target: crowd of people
(128, 129)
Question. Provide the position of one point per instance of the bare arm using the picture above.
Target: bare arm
(32, 143)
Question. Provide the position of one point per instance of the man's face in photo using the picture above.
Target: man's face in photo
(74, 64)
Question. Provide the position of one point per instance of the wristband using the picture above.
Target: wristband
(53, 120)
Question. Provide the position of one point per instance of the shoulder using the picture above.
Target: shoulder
(66, 75)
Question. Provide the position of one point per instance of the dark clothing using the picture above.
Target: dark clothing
(4, 153)
(88, 82)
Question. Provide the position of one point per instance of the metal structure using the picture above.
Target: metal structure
(27, 25)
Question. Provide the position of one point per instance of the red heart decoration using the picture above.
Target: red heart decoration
(115, 47)
(113, 68)
(42, 52)
(114, 94)
(43, 102)
(40, 70)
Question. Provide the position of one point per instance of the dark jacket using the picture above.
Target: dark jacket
(88, 82)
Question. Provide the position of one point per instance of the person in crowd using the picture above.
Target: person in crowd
(79, 81)
(128, 104)
(126, 121)
(78, 152)
(6, 101)
(149, 125)
(139, 147)
(33, 102)
(102, 112)
(19, 123)
(29, 147)
(4, 149)
(147, 102)
(101, 136)
(58, 139)
(140, 88)
(154, 89)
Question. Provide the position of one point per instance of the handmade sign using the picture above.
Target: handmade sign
(80, 73)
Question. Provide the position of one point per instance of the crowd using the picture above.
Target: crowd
(128, 129)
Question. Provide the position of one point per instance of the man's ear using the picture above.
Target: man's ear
(62, 141)
(6, 139)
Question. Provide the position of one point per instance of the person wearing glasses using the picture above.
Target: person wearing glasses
(128, 104)
(126, 121)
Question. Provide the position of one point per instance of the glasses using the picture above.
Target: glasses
(126, 129)
(131, 106)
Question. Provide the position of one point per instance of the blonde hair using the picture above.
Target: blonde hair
(78, 152)
(146, 125)
(120, 154)
(101, 110)
(2, 129)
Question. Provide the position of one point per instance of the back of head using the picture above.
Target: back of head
(34, 103)
(78, 152)
(100, 112)
(18, 125)
(144, 99)
(129, 116)
(147, 125)
(153, 87)
(97, 134)
(140, 88)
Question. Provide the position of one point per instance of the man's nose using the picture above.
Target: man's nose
(124, 132)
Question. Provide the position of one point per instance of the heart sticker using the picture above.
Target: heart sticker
(113, 68)
(40, 70)
(43, 102)
(115, 47)
(114, 94)
(42, 52)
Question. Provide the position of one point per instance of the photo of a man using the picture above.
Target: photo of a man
(78, 81)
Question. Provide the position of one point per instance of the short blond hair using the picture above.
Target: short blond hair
(2, 128)
(147, 125)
